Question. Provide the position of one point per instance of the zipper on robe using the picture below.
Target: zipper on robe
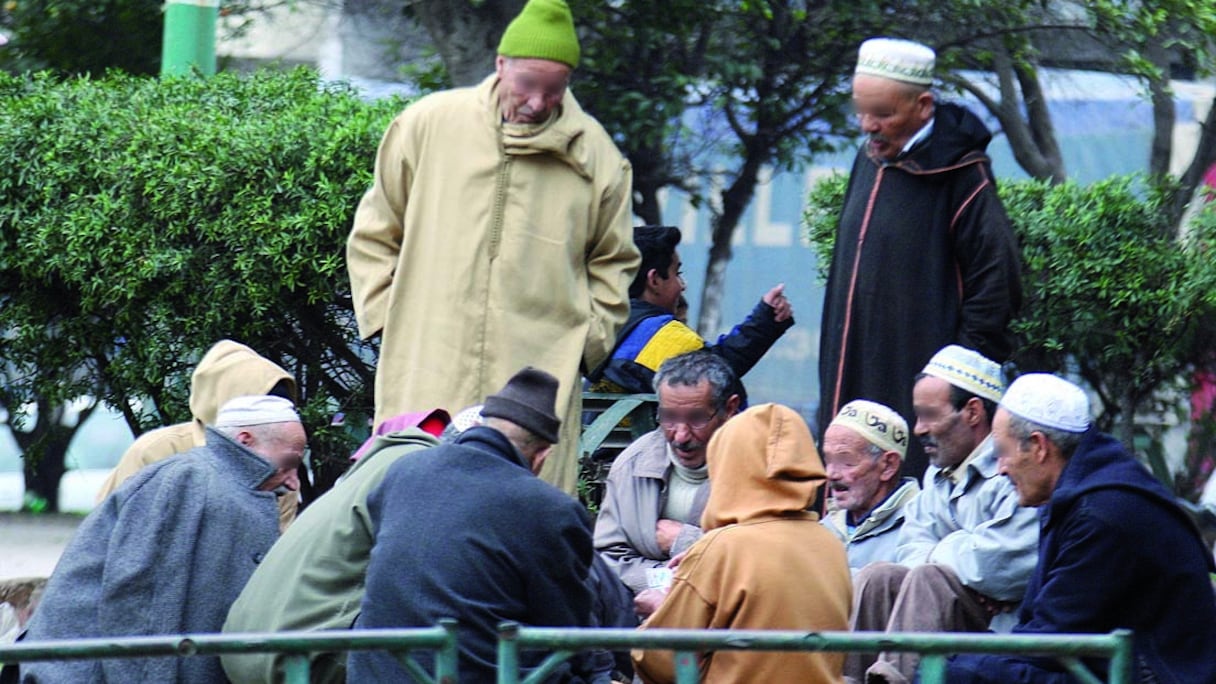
(501, 183)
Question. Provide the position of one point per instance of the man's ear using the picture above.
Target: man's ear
(973, 411)
(732, 404)
(891, 463)
(245, 438)
(538, 458)
(1040, 447)
(652, 279)
(924, 106)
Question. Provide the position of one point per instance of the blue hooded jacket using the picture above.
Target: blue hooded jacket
(1115, 551)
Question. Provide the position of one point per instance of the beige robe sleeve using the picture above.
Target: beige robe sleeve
(374, 245)
(612, 261)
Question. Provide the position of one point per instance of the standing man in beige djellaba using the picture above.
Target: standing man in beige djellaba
(497, 234)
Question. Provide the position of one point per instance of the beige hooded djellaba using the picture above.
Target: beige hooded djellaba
(765, 562)
(484, 247)
(228, 370)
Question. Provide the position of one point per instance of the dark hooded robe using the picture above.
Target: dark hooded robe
(924, 257)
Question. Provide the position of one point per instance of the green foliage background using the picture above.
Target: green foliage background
(142, 220)
(83, 36)
(1111, 294)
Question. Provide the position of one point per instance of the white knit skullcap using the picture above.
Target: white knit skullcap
(256, 409)
(470, 417)
(878, 424)
(1049, 401)
(900, 60)
(968, 370)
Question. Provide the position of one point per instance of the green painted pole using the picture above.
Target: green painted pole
(296, 669)
(687, 671)
(189, 41)
(1122, 662)
(933, 669)
(447, 658)
(508, 653)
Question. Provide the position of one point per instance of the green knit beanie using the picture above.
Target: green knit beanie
(544, 29)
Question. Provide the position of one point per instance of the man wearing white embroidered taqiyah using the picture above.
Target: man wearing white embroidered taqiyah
(966, 549)
(925, 255)
(863, 448)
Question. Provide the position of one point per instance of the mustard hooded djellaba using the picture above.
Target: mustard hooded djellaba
(484, 247)
(228, 370)
(765, 562)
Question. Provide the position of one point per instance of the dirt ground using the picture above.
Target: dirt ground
(30, 545)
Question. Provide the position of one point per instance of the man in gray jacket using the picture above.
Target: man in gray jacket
(170, 549)
(967, 548)
(658, 486)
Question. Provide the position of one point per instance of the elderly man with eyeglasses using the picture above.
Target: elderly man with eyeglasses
(657, 488)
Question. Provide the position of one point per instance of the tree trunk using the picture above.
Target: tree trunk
(466, 33)
(1032, 139)
(1042, 129)
(1125, 426)
(734, 202)
(1163, 113)
(646, 205)
(44, 448)
(1205, 155)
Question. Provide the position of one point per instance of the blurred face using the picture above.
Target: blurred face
(688, 419)
(944, 431)
(283, 445)
(530, 89)
(889, 112)
(668, 289)
(857, 480)
(1022, 463)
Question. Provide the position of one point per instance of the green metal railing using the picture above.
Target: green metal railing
(298, 646)
(934, 647)
(565, 642)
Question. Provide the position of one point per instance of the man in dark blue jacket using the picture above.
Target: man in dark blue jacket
(465, 530)
(1115, 551)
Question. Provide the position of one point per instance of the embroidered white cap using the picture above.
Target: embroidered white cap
(880, 425)
(967, 369)
(1049, 401)
(900, 60)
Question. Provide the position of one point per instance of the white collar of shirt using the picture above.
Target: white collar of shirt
(920, 135)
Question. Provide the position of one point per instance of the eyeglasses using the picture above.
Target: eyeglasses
(695, 420)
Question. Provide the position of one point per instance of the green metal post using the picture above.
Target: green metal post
(447, 657)
(508, 653)
(1122, 660)
(295, 669)
(189, 41)
(933, 669)
(687, 671)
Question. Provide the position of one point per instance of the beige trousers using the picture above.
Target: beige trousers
(895, 598)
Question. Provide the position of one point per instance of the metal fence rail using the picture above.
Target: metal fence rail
(565, 642)
(934, 647)
(298, 646)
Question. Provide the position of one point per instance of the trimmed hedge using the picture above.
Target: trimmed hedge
(141, 220)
